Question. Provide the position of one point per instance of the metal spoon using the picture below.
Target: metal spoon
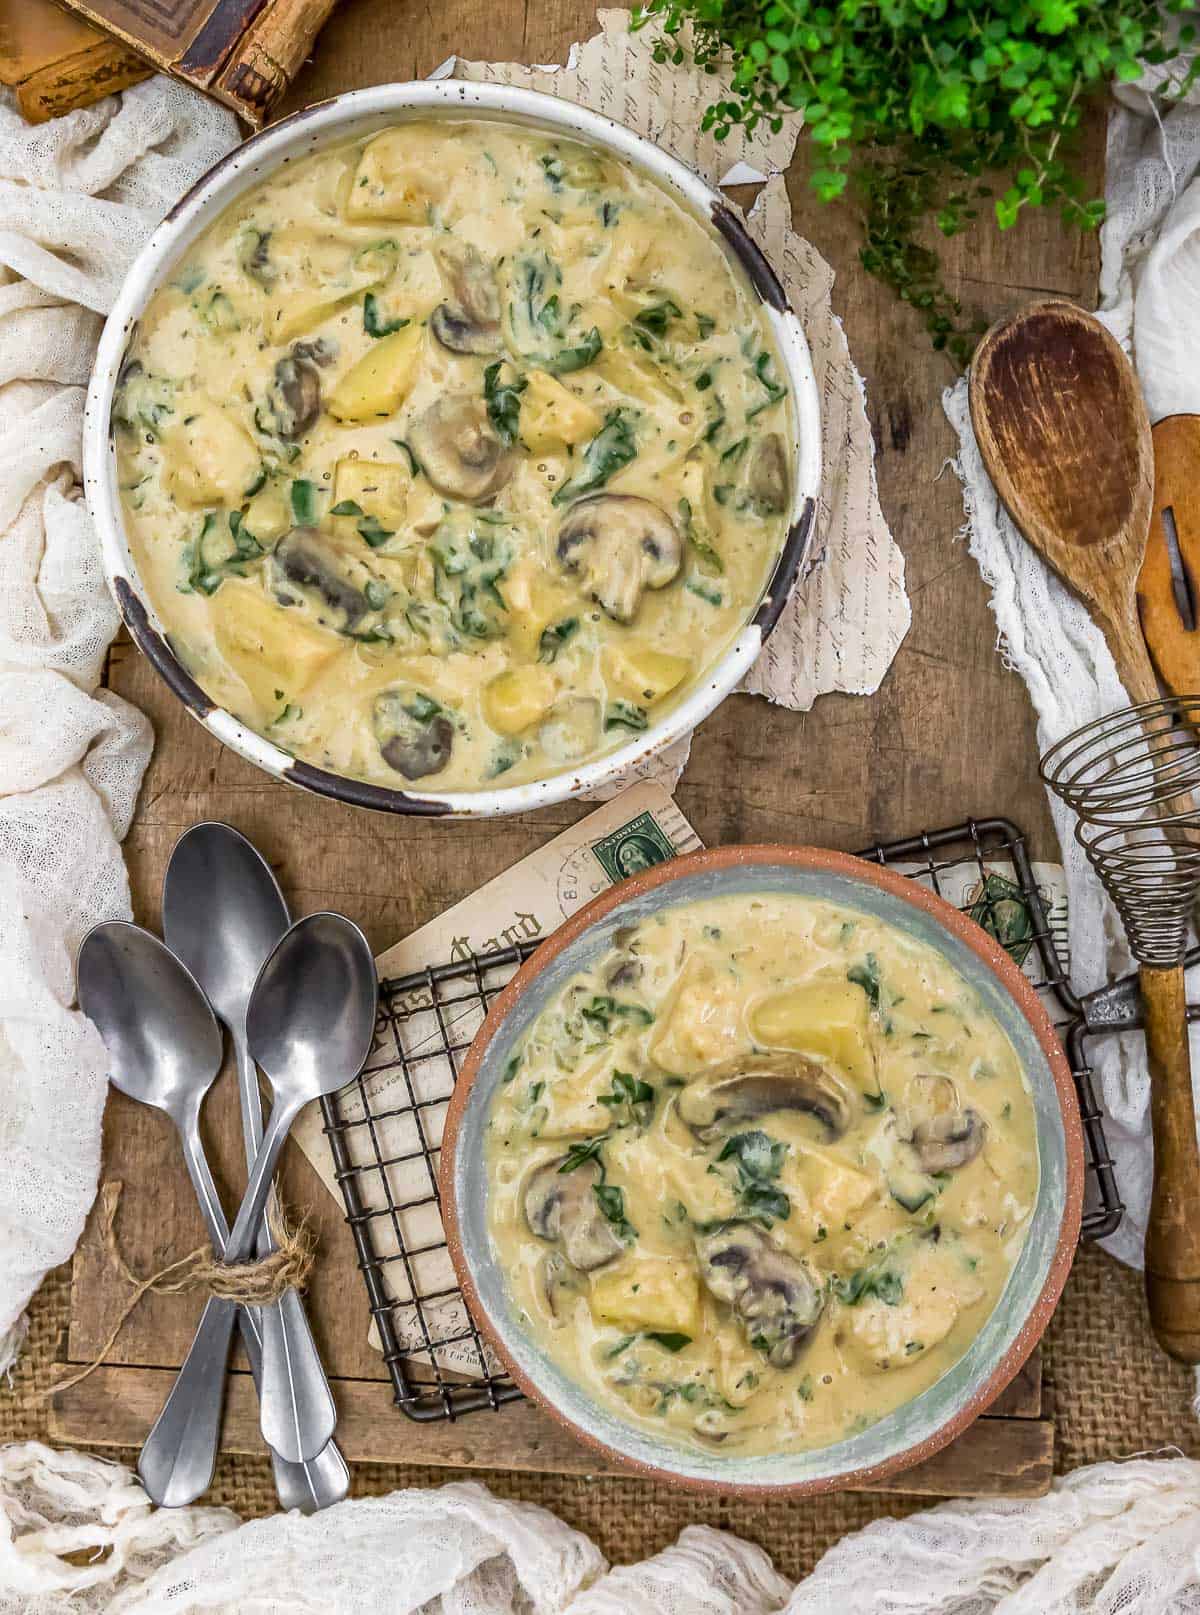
(310, 1022)
(223, 912)
(166, 1050)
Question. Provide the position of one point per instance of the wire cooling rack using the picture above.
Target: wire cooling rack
(385, 1129)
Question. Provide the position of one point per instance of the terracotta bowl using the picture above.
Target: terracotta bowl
(932, 1419)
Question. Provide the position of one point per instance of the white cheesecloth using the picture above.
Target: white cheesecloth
(78, 196)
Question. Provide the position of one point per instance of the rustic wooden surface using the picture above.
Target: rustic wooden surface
(950, 734)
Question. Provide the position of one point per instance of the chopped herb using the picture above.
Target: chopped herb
(575, 357)
(912, 1347)
(669, 1340)
(759, 1161)
(735, 450)
(624, 715)
(609, 212)
(805, 1389)
(630, 1095)
(714, 426)
(414, 465)
(288, 715)
(377, 595)
(578, 1154)
(774, 391)
(612, 448)
(866, 976)
(346, 507)
(709, 559)
(555, 637)
(304, 502)
(511, 1069)
(653, 321)
(611, 1201)
(875, 1101)
(1006, 1110)
(554, 170)
(374, 323)
(883, 1283)
(705, 324)
(709, 594)
(373, 532)
(504, 757)
(503, 402)
(603, 1011)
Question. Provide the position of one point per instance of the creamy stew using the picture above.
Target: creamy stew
(454, 455)
(760, 1176)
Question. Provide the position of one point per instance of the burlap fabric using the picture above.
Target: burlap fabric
(1112, 1392)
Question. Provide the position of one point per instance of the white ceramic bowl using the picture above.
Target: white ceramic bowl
(359, 113)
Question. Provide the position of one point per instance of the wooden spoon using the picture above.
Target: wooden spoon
(1064, 434)
(1168, 590)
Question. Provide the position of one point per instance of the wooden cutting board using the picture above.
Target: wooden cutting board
(1009, 1452)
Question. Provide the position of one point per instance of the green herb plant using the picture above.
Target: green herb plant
(915, 106)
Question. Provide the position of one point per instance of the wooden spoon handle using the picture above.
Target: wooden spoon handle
(1173, 1231)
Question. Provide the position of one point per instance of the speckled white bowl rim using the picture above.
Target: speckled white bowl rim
(918, 1428)
(344, 117)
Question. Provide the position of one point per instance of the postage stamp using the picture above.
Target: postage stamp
(633, 847)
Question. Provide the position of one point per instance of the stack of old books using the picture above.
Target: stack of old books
(243, 52)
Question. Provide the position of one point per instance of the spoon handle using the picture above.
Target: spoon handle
(297, 1410)
(176, 1463)
(319, 1481)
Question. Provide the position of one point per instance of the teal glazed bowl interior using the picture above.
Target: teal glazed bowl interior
(933, 1418)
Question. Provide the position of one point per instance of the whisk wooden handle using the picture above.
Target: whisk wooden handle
(1173, 1231)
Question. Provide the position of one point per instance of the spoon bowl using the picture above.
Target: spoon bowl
(311, 1020)
(159, 1030)
(223, 913)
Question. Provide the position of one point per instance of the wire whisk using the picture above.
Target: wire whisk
(1132, 779)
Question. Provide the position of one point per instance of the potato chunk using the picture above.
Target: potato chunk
(704, 1024)
(826, 1018)
(643, 674)
(397, 179)
(209, 459)
(378, 487)
(884, 1336)
(382, 379)
(551, 415)
(651, 1292)
(268, 515)
(518, 698)
(269, 647)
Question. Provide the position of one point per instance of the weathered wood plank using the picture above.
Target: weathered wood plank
(115, 1407)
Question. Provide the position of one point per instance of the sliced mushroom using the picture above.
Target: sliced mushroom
(459, 450)
(773, 1295)
(944, 1134)
(767, 476)
(561, 1206)
(617, 545)
(310, 560)
(294, 399)
(415, 738)
(469, 320)
(754, 1085)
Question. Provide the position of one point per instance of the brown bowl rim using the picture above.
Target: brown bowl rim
(1011, 978)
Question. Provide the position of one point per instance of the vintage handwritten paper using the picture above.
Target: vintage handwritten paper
(847, 618)
(642, 826)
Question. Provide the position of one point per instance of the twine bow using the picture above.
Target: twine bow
(252, 1284)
